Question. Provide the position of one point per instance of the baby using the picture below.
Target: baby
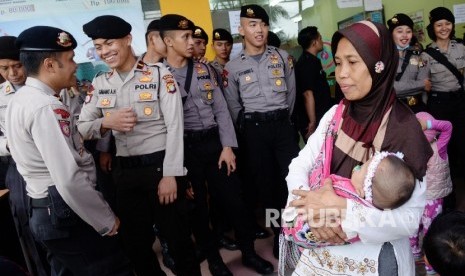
(384, 182)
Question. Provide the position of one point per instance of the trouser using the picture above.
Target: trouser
(78, 249)
(270, 147)
(139, 209)
(202, 151)
(34, 253)
(450, 106)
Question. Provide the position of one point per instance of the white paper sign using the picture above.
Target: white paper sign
(234, 21)
(349, 3)
(373, 5)
(459, 13)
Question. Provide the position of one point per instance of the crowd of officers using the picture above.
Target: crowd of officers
(175, 123)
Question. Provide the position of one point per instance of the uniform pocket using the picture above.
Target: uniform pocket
(206, 89)
(278, 82)
(249, 85)
(147, 106)
(106, 103)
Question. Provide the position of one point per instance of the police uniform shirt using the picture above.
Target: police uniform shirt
(311, 76)
(217, 65)
(262, 86)
(154, 96)
(48, 151)
(442, 80)
(412, 81)
(205, 106)
(7, 90)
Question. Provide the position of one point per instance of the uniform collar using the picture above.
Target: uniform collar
(8, 88)
(33, 82)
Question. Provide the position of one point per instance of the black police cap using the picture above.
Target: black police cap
(222, 34)
(255, 11)
(200, 33)
(399, 19)
(172, 22)
(154, 25)
(8, 49)
(440, 13)
(45, 39)
(107, 27)
(273, 40)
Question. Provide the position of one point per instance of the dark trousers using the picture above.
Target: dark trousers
(34, 253)
(139, 209)
(201, 159)
(270, 147)
(451, 107)
(78, 249)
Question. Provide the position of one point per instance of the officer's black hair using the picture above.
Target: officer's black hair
(33, 60)
(444, 244)
(307, 36)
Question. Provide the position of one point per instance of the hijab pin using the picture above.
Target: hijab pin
(379, 67)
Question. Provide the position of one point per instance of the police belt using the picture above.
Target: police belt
(441, 95)
(275, 115)
(40, 202)
(412, 100)
(145, 160)
(201, 134)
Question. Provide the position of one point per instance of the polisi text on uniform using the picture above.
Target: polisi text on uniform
(145, 86)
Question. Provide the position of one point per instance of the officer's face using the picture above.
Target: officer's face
(255, 31)
(181, 43)
(200, 46)
(402, 36)
(222, 48)
(12, 71)
(66, 69)
(114, 52)
(159, 45)
(351, 73)
(443, 29)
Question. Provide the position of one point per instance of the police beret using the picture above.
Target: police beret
(440, 13)
(45, 39)
(399, 19)
(222, 34)
(154, 25)
(8, 50)
(107, 27)
(273, 40)
(199, 33)
(171, 22)
(255, 11)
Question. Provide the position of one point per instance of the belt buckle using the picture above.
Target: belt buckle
(411, 100)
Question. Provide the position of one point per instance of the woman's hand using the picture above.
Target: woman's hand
(323, 210)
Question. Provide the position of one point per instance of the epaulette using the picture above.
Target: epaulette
(99, 73)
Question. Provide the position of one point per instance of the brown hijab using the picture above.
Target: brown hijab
(378, 121)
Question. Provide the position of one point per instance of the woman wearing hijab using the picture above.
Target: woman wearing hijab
(445, 62)
(371, 120)
(411, 79)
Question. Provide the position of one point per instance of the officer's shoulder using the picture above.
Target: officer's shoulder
(103, 73)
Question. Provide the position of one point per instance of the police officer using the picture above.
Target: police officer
(13, 71)
(222, 43)
(200, 42)
(68, 216)
(444, 59)
(313, 92)
(260, 93)
(209, 137)
(412, 78)
(141, 105)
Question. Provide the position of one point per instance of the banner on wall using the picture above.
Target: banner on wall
(459, 13)
(70, 15)
(418, 25)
